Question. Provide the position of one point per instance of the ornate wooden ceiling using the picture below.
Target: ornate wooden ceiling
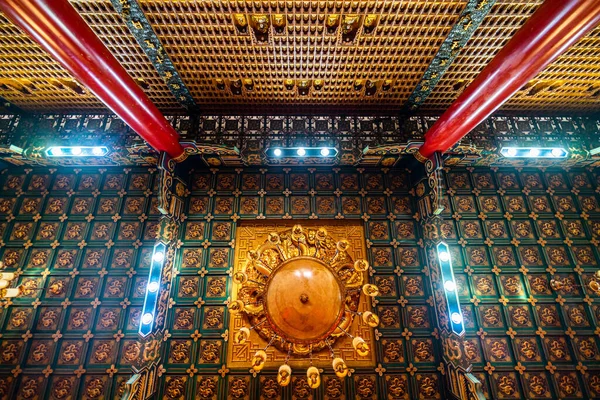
(299, 56)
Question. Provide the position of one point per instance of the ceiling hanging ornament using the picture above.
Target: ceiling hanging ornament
(300, 292)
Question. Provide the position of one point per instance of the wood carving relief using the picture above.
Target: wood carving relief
(251, 237)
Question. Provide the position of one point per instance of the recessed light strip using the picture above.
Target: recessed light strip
(534, 152)
(152, 289)
(301, 152)
(76, 151)
(449, 284)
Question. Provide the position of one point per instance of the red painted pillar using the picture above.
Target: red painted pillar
(555, 26)
(62, 32)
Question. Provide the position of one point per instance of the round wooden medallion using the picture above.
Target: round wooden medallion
(304, 300)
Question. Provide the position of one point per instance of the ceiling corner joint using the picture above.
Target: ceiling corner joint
(468, 22)
(142, 31)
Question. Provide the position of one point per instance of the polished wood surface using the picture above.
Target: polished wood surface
(304, 299)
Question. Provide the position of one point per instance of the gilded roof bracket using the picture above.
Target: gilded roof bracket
(140, 28)
(468, 22)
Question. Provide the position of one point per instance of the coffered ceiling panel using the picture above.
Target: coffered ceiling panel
(297, 57)
(31, 79)
(338, 56)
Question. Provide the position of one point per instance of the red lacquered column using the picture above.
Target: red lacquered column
(555, 26)
(59, 29)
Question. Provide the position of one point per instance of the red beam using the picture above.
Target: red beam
(62, 32)
(555, 26)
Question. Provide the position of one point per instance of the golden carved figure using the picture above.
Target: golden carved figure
(300, 291)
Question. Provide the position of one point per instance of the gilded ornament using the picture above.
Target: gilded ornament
(333, 388)
(484, 285)
(284, 375)
(540, 204)
(210, 351)
(528, 350)
(589, 204)
(180, 351)
(471, 229)
(331, 23)
(39, 352)
(340, 368)
(216, 287)
(512, 285)
(417, 316)
(10, 353)
(350, 205)
(29, 388)
(558, 349)
(423, 350)
(577, 316)
(62, 387)
(207, 388)
(87, 182)
(370, 290)
(548, 315)
(574, 228)
(389, 317)
(515, 204)
(587, 349)
(520, 316)
(300, 389)
(508, 181)
(39, 258)
(428, 386)
(113, 182)
(465, 204)
(30, 205)
(21, 231)
(397, 386)
(102, 352)
(47, 231)
(221, 231)
(376, 205)
(213, 318)
(568, 384)
(249, 206)
(70, 353)
(471, 351)
(132, 351)
(506, 385)
(477, 256)
(361, 347)
(491, 316)
(188, 286)
(49, 318)
(365, 387)
(413, 286)
(392, 351)
(138, 182)
(195, 231)
(14, 182)
(314, 377)
(259, 360)
(490, 204)
(175, 387)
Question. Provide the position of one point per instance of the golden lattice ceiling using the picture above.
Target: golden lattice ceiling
(304, 61)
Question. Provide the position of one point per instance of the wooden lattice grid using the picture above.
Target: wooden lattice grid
(110, 28)
(566, 85)
(24, 63)
(204, 44)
